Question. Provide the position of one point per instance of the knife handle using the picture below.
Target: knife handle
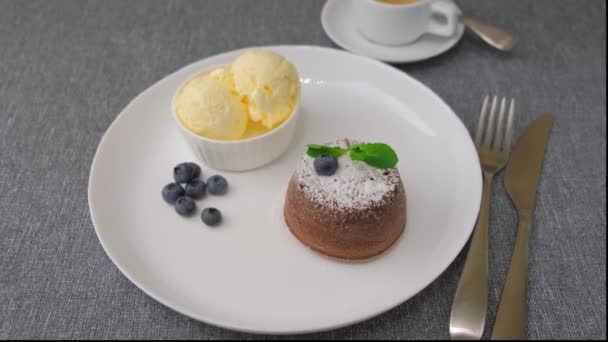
(470, 306)
(512, 312)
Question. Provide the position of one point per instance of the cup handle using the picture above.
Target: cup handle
(448, 10)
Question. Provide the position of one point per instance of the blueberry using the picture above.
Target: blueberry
(326, 165)
(211, 216)
(217, 185)
(185, 206)
(185, 172)
(197, 169)
(195, 188)
(171, 192)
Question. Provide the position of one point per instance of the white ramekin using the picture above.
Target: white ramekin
(239, 155)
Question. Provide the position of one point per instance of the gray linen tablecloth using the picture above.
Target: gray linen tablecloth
(67, 68)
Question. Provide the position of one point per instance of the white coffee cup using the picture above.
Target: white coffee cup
(399, 24)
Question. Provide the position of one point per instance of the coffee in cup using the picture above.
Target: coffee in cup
(398, 2)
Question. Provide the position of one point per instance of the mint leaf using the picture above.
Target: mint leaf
(375, 154)
(317, 150)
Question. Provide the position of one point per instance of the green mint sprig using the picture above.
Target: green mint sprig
(377, 155)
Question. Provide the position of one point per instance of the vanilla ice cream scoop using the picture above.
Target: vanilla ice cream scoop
(208, 106)
(268, 83)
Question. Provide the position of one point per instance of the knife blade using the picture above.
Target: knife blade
(521, 182)
(524, 167)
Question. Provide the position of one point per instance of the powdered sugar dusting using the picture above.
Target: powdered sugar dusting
(355, 185)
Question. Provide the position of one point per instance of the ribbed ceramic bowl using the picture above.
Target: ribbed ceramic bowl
(238, 155)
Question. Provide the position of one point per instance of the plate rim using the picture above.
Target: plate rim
(341, 43)
(207, 320)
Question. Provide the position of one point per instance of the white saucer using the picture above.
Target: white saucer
(339, 26)
(250, 273)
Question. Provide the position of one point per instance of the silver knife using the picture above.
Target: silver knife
(521, 180)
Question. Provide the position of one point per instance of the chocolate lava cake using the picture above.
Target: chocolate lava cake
(354, 214)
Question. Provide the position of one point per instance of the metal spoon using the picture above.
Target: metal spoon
(492, 35)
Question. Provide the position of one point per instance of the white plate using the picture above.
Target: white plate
(339, 26)
(251, 274)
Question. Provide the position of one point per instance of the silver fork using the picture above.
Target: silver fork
(468, 316)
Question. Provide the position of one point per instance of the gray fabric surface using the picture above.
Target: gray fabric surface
(67, 68)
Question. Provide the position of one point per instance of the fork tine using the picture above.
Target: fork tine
(482, 119)
(499, 133)
(509, 131)
(490, 127)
